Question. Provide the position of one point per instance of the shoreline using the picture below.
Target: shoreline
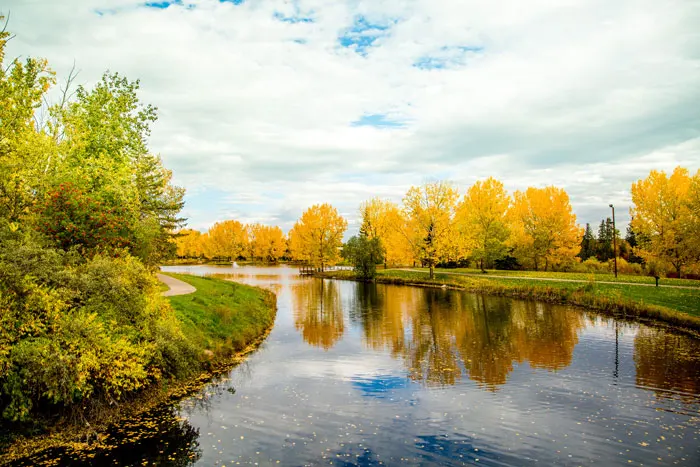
(624, 308)
(82, 439)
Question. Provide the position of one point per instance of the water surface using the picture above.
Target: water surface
(363, 374)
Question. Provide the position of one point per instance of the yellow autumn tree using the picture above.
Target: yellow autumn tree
(384, 220)
(317, 236)
(664, 217)
(267, 243)
(693, 221)
(429, 229)
(544, 229)
(228, 239)
(189, 244)
(482, 219)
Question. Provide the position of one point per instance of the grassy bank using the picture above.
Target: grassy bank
(222, 316)
(577, 276)
(678, 307)
(221, 322)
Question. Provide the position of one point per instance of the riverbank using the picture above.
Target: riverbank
(223, 321)
(674, 306)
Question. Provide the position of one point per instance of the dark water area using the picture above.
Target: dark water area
(364, 374)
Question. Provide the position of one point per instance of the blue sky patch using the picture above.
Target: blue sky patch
(297, 16)
(447, 57)
(364, 33)
(293, 19)
(163, 4)
(378, 121)
(379, 386)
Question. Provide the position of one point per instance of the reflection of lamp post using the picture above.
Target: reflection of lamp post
(617, 353)
(614, 239)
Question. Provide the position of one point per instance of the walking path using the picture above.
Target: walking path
(552, 279)
(177, 287)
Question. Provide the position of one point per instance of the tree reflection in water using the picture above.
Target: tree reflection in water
(318, 312)
(442, 335)
(158, 437)
(668, 363)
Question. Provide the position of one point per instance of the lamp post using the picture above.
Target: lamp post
(614, 239)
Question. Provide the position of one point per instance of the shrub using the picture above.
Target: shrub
(624, 267)
(507, 263)
(75, 330)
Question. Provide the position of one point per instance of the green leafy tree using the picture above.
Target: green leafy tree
(71, 218)
(364, 254)
(104, 143)
(23, 150)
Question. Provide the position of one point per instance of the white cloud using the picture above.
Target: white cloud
(586, 94)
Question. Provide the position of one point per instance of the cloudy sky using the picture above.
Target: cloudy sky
(267, 107)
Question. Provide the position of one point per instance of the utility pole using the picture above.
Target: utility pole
(614, 239)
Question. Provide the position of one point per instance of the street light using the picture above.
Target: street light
(614, 239)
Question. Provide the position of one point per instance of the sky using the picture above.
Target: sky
(267, 107)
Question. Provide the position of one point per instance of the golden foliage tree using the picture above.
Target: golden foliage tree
(482, 218)
(318, 235)
(189, 243)
(384, 220)
(665, 217)
(267, 243)
(429, 229)
(227, 239)
(544, 229)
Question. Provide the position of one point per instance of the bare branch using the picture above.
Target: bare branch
(7, 21)
(65, 96)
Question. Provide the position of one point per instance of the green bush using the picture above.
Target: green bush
(76, 330)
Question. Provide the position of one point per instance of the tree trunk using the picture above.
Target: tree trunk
(432, 270)
(482, 265)
(678, 270)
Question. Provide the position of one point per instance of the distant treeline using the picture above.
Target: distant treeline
(487, 227)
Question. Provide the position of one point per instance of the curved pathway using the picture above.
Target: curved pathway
(177, 287)
(550, 279)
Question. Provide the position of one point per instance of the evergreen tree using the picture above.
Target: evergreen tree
(588, 244)
(631, 239)
(604, 250)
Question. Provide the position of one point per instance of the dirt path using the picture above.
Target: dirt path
(177, 287)
(552, 279)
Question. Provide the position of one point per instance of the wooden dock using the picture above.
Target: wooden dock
(308, 270)
(311, 270)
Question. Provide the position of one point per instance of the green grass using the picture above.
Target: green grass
(683, 300)
(680, 307)
(223, 316)
(578, 276)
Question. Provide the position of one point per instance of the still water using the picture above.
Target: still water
(363, 374)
